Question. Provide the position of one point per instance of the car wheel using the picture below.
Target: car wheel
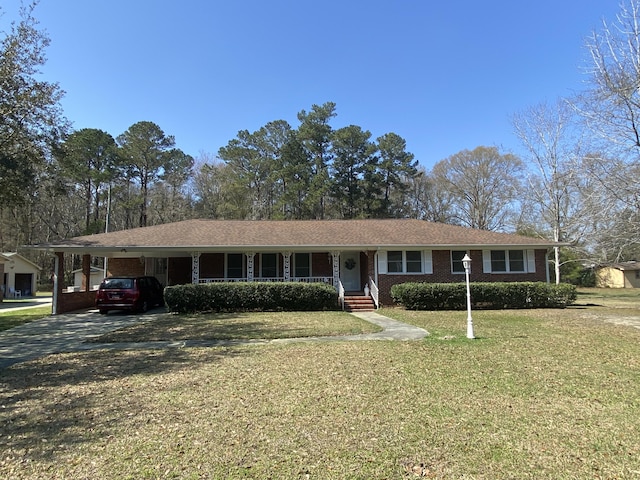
(103, 311)
(144, 306)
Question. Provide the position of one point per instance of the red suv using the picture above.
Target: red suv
(136, 294)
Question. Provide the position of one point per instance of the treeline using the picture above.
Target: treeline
(310, 172)
(96, 183)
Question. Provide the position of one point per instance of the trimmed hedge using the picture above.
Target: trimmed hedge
(250, 296)
(498, 295)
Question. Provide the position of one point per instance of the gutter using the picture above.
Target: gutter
(123, 250)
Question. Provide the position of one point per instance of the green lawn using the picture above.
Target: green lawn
(539, 394)
(15, 318)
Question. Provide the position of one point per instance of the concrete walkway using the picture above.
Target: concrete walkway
(69, 333)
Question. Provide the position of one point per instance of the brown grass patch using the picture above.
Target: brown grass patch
(240, 326)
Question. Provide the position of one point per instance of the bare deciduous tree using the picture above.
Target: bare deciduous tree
(548, 134)
(484, 184)
(610, 107)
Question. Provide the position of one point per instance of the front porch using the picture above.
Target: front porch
(308, 267)
(346, 270)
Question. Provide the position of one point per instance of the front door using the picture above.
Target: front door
(350, 271)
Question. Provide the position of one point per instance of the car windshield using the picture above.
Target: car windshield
(117, 283)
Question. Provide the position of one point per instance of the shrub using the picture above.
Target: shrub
(250, 296)
(498, 295)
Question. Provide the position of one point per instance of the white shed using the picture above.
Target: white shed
(97, 275)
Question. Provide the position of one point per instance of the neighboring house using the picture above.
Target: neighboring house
(349, 254)
(618, 275)
(20, 276)
(97, 275)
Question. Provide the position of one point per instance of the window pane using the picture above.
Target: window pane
(414, 262)
(456, 261)
(516, 260)
(234, 265)
(302, 265)
(268, 265)
(498, 261)
(118, 283)
(394, 262)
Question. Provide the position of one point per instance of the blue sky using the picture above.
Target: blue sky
(445, 75)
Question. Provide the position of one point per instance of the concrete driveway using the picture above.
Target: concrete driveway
(59, 333)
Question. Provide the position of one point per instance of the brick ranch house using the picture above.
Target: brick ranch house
(349, 254)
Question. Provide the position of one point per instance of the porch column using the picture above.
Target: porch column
(86, 272)
(336, 268)
(250, 257)
(195, 267)
(287, 266)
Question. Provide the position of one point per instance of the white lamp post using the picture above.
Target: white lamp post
(466, 262)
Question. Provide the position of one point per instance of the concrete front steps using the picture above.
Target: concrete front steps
(358, 303)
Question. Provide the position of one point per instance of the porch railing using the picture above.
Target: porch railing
(328, 280)
(220, 280)
(340, 289)
(374, 292)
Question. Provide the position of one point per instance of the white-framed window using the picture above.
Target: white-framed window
(405, 261)
(235, 265)
(509, 261)
(456, 261)
(302, 265)
(395, 263)
(413, 261)
(269, 265)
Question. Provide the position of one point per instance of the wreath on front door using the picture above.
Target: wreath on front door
(350, 263)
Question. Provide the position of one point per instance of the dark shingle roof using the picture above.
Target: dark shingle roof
(269, 234)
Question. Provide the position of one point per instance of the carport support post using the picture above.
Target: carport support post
(58, 280)
(86, 272)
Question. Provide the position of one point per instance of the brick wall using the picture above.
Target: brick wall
(70, 302)
(126, 267)
(442, 273)
(385, 282)
(212, 265)
(320, 265)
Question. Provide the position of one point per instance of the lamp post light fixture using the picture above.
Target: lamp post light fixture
(466, 263)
